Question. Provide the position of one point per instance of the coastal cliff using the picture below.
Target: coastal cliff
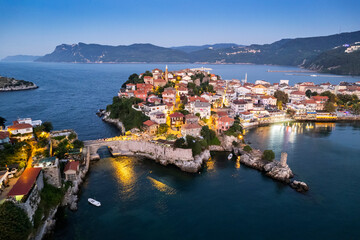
(179, 157)
(105, 116)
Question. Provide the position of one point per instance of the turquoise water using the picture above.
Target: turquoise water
(144, 200)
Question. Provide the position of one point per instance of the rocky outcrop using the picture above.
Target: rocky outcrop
(277, 170)
(48, 225)
(299, 186)
(71, 196)
(227, 142)
(106, 118)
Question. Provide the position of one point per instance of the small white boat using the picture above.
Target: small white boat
(230, 156)
(94, 202)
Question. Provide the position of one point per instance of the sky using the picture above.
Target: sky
(36, 27)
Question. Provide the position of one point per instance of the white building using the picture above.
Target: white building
(239, 106)
(203, 108)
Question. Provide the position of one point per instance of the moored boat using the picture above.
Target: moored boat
(94, 202)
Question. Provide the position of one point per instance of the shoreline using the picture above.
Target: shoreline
(18, 89)
(277, 170)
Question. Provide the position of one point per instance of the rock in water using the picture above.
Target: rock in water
(299, 186)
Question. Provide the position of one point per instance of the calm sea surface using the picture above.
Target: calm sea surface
(143, 200)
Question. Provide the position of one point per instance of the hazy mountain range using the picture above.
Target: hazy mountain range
(325, 53)
(20, 58)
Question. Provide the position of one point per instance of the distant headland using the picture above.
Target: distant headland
(335, 54)
(11, 84)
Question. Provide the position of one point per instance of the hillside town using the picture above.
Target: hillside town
(183, 101)
(38, 166)
(185, 109)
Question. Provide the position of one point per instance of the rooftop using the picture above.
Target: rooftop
(25, 182)
(71, 165)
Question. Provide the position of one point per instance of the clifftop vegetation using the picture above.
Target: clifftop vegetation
(121, 109)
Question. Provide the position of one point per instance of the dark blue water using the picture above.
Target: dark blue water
(70, 94)
(143, 200)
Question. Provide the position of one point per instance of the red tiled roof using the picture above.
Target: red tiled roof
(71, 165)
(221, 113)
(25, 182)
(176, 114)
(197, 98)
(297, 93)
(319, 98)
(226, 119)
(245, 113)
(148, 123)
(191, 126)
(4, 134)
(20, 126)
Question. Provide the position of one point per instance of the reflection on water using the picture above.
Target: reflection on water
(125, 174)
(210, 164)
(237, 164)
(162, 187)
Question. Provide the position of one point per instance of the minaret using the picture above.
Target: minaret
(166, 74)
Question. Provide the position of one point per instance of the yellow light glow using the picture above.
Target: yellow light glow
(162, 187)
(125, 174)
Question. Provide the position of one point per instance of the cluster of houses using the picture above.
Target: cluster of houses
(26, 191)
(252, 103)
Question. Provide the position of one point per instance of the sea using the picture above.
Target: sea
(226, 200)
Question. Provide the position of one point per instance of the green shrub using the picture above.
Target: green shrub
(179, 143)
(14, 222)
(268, 155)
(72, 136)
(78, 144)
(121, 109)
(247, 148)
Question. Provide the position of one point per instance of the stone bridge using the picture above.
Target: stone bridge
(159, 152)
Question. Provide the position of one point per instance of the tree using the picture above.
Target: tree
(314, 94)
(78, 144)
(329, 107)
(281, 96)
(247, 148)
(47, 126)
(162, 128)
(2, 122)
(179, 143)
(308, 93)
(356, 108)
(330, 95)
(209, 136)
(268, 155)
(14, 222)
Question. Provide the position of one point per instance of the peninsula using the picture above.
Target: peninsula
(11, 84)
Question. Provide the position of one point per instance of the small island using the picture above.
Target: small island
(12, 84)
